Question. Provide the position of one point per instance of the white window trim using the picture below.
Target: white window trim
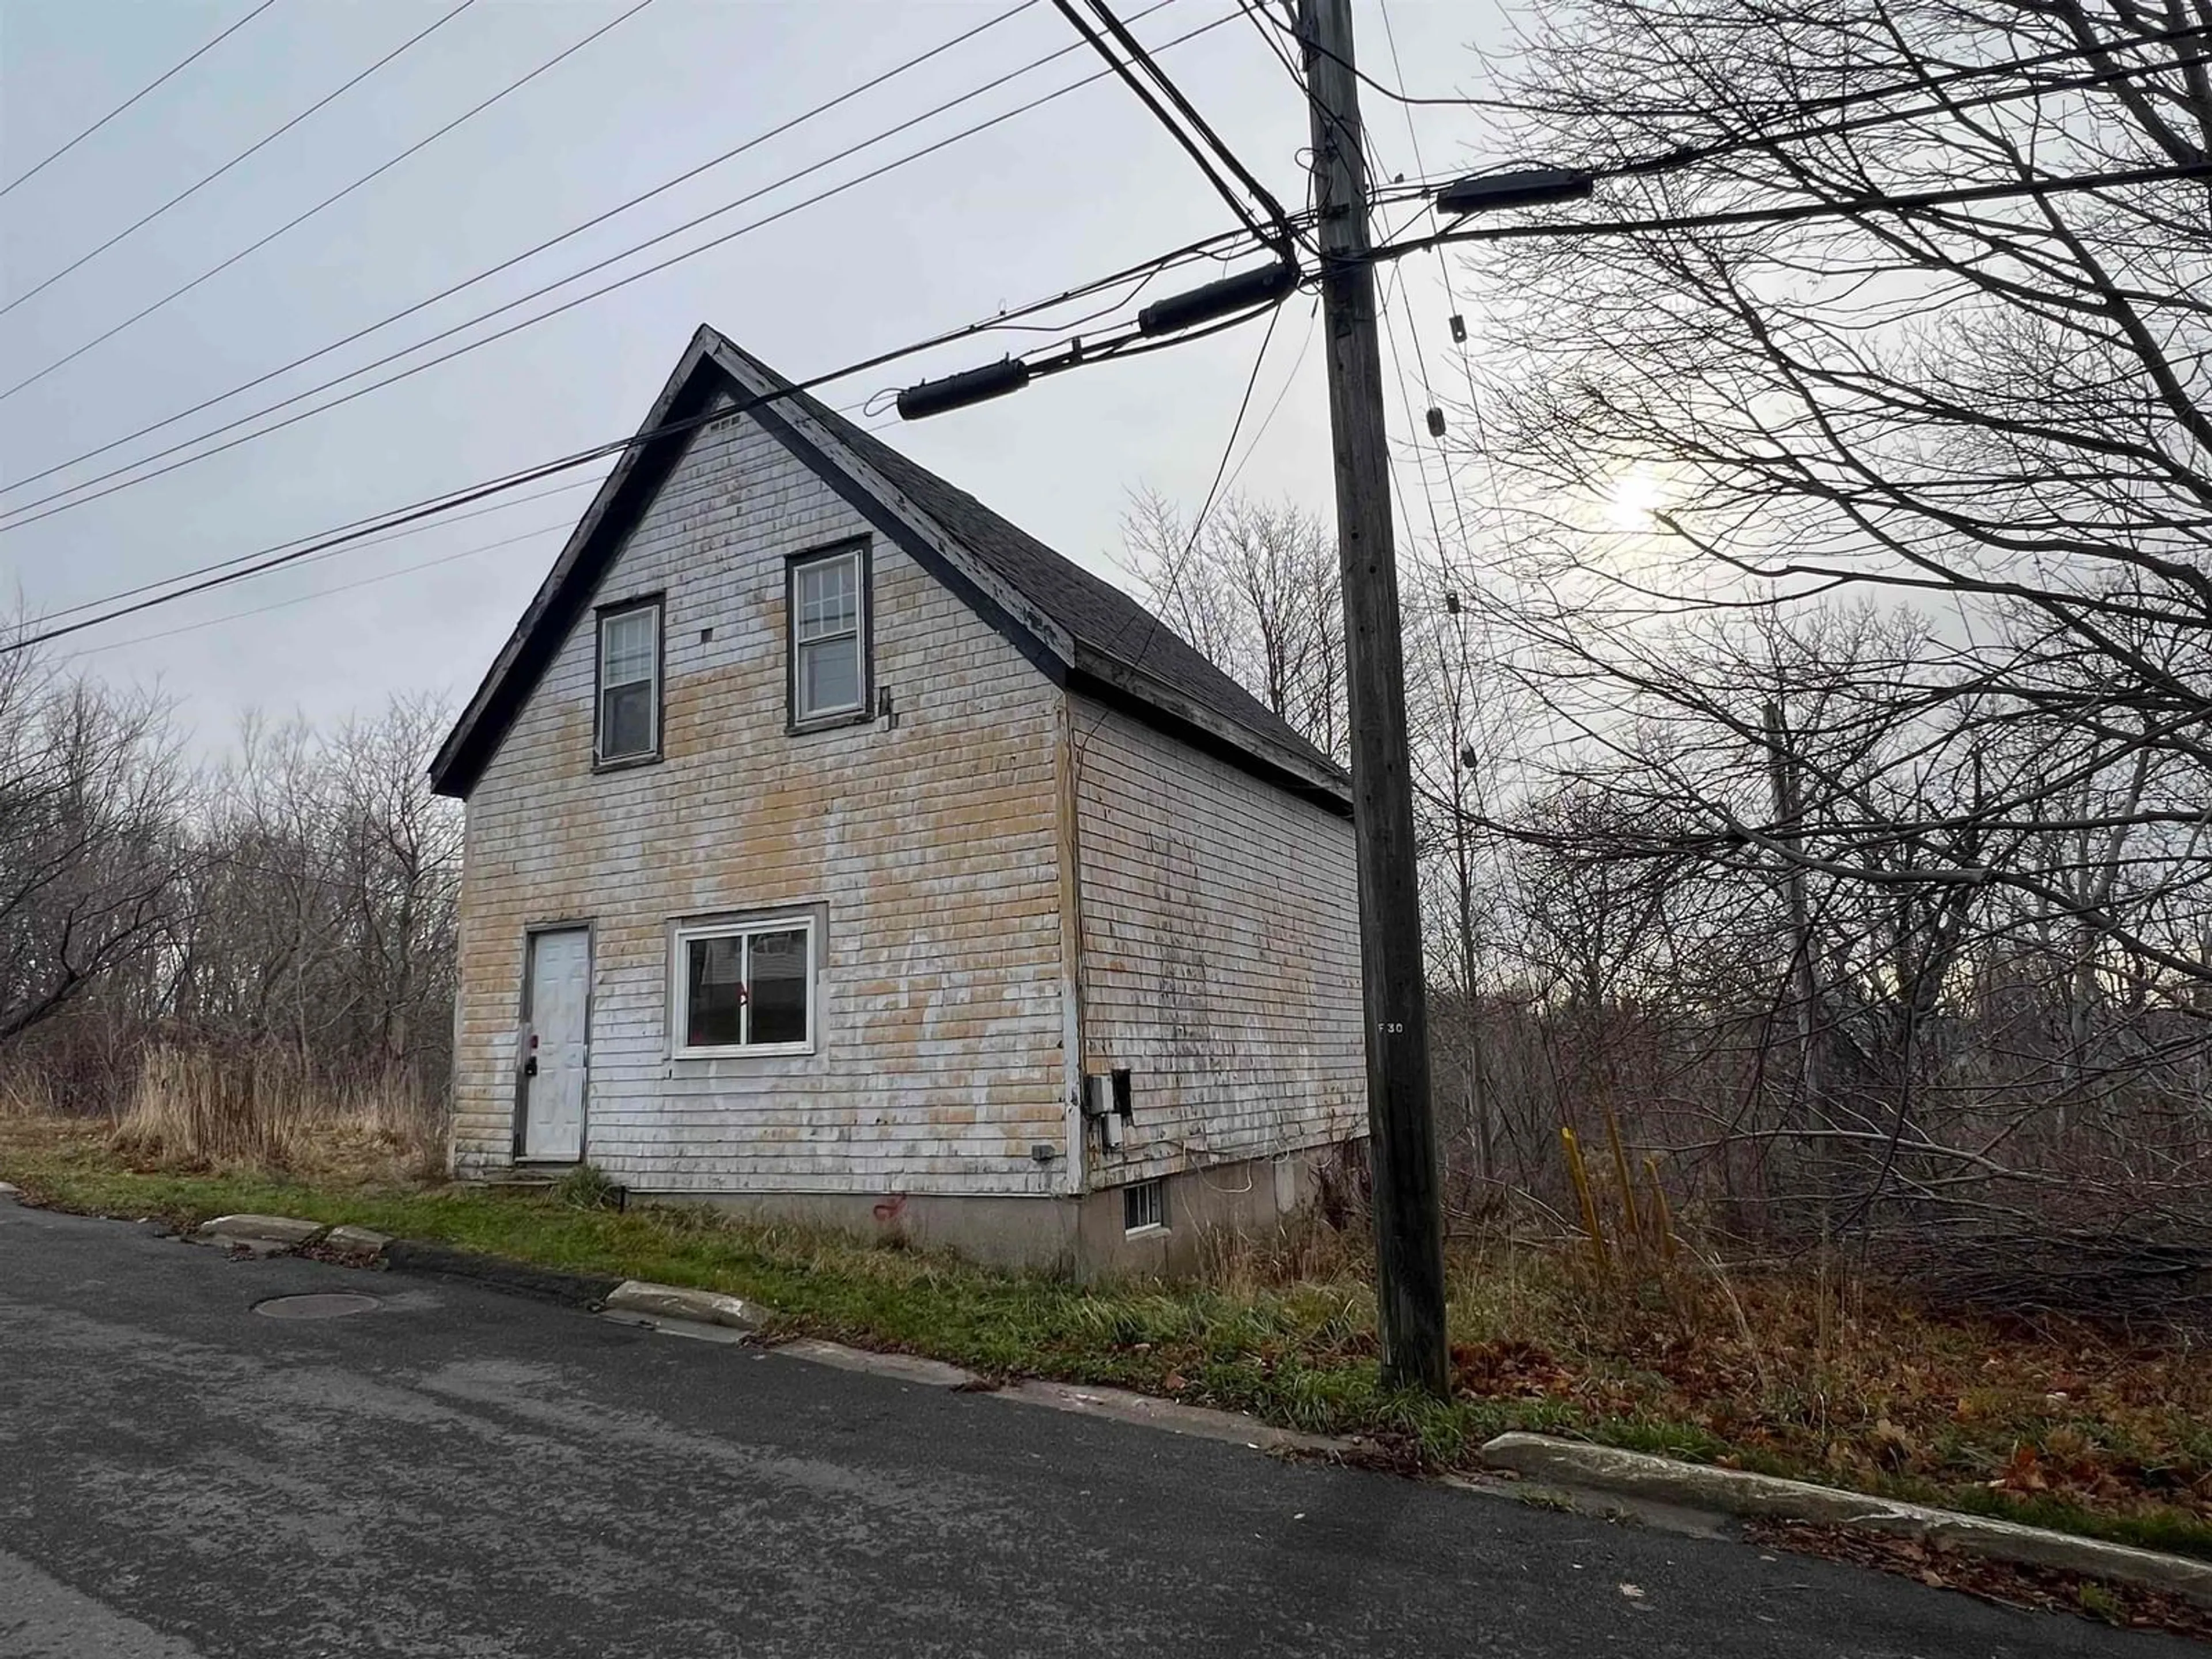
(801, 714)
(654, 608)
(1146, 1229)
(679, 986)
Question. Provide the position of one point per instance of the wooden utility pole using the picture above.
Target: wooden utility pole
(1402, 1145)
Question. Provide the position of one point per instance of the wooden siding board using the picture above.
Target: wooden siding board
(1220, 941)
(933, 845)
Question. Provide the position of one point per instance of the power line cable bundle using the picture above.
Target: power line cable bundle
(1268, 226)
(88, 489)
(1073, 353)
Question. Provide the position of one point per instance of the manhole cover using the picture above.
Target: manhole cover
(322, 1305)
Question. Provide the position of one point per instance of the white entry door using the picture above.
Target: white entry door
(557, 1045)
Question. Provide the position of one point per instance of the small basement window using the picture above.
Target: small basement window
(743, 989)
(1144, 1207)
(628, 723)
(829, 607)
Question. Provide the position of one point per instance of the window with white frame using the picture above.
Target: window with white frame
(744, 987)
(628, 726)
(1144, 1207)
(828, 596)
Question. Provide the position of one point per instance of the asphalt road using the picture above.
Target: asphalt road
(460, 1473)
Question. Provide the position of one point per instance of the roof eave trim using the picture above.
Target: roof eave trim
(1010, 612)
(482, 727)
(1128, 686)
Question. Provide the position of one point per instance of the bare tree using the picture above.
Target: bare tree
(91, 864)
(1255, 588)
(328, 876)
(1951, 836)
(289, 914)
(1998, 406)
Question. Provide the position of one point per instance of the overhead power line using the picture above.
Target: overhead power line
(259, 144)
(159, 81)
(1808, 105)
(1136, 70)
(50, 617)
(25, 514)
(489, 272)
(480, 548)
(1845, 208)
(331, 200)
(29, 512)
(240, 567)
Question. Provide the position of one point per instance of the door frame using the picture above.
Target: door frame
(587, 925)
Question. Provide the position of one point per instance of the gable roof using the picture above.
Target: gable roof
(1081, 631)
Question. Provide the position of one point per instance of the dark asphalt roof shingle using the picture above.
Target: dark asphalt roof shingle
(1119, 650)
(1095, 612)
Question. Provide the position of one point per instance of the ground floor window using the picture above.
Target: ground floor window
(1144, 1206)
(744, 987)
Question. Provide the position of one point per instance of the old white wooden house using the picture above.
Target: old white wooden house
(837, 850)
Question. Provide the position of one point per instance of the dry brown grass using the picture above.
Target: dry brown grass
(26, 1094)
(1815, 1367)
(263, 1110)
(1818, 1367)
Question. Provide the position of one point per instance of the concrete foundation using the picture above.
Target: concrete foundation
(1083, 1238)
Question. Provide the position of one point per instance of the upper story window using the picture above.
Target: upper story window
(828, 595)
(628, 727)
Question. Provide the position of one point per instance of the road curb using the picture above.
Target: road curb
(574, 1289)
(288, 1231)
(638, 1296)
(1149, 1411)
(1736, 1492)
(571, 1290)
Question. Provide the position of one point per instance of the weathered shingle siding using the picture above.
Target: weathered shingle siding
(1220, 954)
(940, 1053)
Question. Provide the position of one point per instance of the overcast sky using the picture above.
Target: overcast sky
(1082, 186)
